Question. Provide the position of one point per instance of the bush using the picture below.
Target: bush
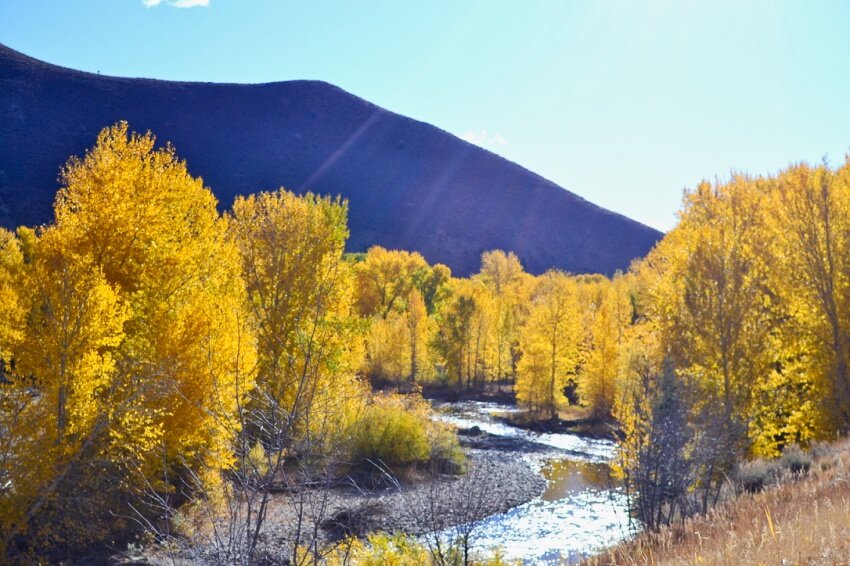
(795, 460)
(446, 454)
(397, 430)
(383, 550)
(754, 476)
(393, 431)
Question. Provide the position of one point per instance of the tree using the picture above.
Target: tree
(708, 292)
(549, 343)
(503, 274)
(66, 357)
(453, 340)
(300, 294)
(433, 284)
(611, 314)
(385, 278)
(137, 245)
(419, 328)
(168, 254)
(810, 213)
(11, 307)
(653, 456)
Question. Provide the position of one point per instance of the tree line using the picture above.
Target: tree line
(145, 338)
(165, 362)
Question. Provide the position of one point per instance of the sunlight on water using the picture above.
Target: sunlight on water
(582, 509)
(541, 532)
(484, 415)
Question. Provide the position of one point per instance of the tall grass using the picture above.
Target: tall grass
(806, 521)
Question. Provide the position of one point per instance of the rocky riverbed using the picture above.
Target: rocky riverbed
(497, 480)
(539, 496)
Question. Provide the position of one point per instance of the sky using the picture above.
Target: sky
(625, 103)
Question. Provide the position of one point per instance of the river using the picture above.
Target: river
(581, 511)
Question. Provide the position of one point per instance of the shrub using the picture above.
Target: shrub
(381, 549)
(393, 430)
(385, 550)
(755, 475)
(446, 454)
(795, 460)
(397, 430)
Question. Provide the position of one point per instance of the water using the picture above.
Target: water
(582, 509)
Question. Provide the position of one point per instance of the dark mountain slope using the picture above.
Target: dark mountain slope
(410, 185)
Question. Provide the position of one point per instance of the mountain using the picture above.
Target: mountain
(410, 185)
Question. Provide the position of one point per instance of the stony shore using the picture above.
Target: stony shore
(497, 480)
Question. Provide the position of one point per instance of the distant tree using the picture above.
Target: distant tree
(385, 278)
(549, 342)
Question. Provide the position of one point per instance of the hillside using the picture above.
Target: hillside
(410, 185)
(805, 519)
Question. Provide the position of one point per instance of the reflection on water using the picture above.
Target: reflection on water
(580, 512)
(567, 478)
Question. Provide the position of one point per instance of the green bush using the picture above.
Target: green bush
(397, 430)
(393, 431)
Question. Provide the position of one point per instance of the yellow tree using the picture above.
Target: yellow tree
(18, 424)
(433, 284)
(154, 233)
(503, 274)
(385, 278)
(453, 340)
(707, 283)
(300, 292)
(65, 356)
(75, 323)
(388, 349)
(419, 330)
(811, 233)
(549, 342)
(11, 308)
(611, 314)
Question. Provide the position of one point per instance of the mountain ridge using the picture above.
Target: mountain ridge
(410, 184)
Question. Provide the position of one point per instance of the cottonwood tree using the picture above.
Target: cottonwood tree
(709, 295)
(300, 292)
(610, 314)
(810, 214)
(136, 294)
(549, 342)
(385, 278)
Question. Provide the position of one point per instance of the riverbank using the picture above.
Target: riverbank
(803, 520)
(572, 420)
(497, 480)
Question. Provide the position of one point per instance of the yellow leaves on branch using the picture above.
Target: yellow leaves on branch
(300, 296)
(550, 344)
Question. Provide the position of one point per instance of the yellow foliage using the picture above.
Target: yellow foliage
(610, 315)
(300, 293)
(550, 342)
(385, 278)
(381, 550)
(393, 430)
(11, 308)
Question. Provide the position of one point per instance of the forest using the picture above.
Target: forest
(166, 369)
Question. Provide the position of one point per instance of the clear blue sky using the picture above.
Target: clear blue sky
(625, 103)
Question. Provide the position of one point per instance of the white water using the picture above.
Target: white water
(581, 510)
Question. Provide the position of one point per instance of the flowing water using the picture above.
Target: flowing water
(582, 509)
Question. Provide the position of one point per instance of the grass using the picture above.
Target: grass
(806, 521)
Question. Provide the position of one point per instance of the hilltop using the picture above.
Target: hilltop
(410, 185)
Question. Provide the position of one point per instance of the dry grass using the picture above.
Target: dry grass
(798, 522)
